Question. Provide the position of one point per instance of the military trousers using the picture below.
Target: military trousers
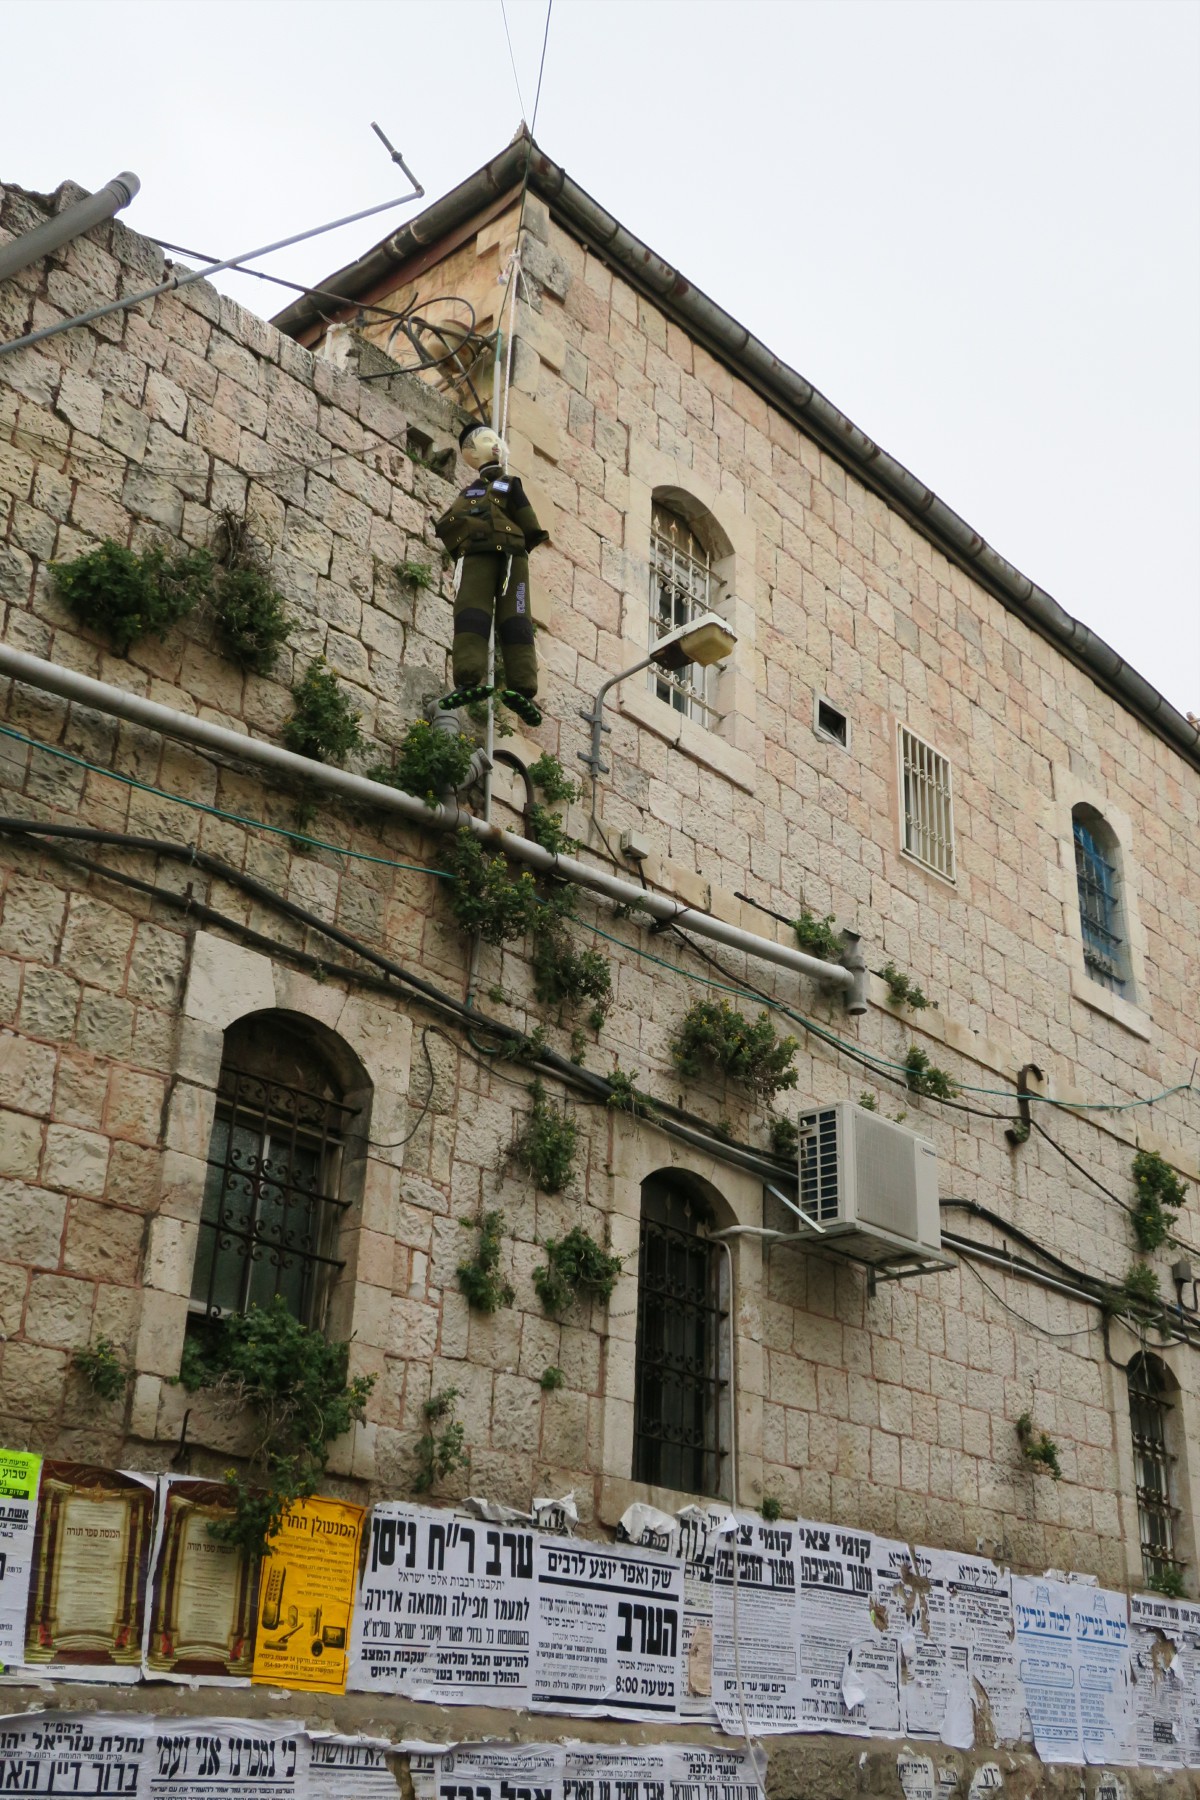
(492, 585)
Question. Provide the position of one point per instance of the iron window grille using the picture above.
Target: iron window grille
(1099, 910)
(681, 1369)
(681, 589)
(928, 804)
(1148, 1414)
(268, 1225)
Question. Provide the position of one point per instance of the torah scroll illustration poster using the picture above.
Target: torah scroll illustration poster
(306, 1597)
(202, 1591)
(88, 1592)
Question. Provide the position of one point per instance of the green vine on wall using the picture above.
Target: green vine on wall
(324, 725)
(544, 1147)
(250, 612)
(101, 1367)
(294, 1384)
(713, 1036)
(818, 937)
(124, 595)
(479, 1276)
(902, 990)
(486, 897)
(926, 1078)
(1160, 1196)
(428, 763)
(441, 1448)
(1038, 1447)
(576, 1267)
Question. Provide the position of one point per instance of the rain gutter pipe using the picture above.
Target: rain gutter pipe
(72, 222)
(850, 977)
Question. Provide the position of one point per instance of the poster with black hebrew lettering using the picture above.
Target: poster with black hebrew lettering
(201, 1604)
(1164, 1641)
(837, 1634)
(696, 1773)
(306, 1597)
(64, 1753)
(1045, 1642)
(908, 1608)
(445, 1609)
(223, 1759)
(490, 1772)
(1100, 1622)
(755, 1662)
(979, 1629)
(609, 1636)
(616, 1772)
(349, 1768)
(20, 1472)
(87, 1595)
(692, 1534)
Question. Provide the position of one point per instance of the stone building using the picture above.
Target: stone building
(909, 736)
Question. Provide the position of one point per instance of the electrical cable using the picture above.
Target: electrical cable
(297, 287)
(1033, 1325)
(513, 61)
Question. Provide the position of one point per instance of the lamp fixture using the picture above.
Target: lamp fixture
(705, 640)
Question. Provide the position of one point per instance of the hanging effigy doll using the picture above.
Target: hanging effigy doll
(491, 528)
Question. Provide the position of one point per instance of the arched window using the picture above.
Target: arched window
(1101, 913)
(1150, 1423)
(269, 1221)
(680, 1430)
(683, 586)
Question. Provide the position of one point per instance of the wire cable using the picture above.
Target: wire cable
(513, 61)
(1033, 1325)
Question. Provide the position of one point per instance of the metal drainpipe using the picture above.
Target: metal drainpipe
(68, 224)
(99, 695)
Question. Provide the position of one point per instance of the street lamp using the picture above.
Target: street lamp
(705, 640)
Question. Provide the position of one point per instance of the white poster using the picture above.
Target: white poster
(616, 1772)
(907, 1693)
(349, 1768)
(1045, 1644)
(692, 1534)
(609, 1634)
(979, 1630)
(1165, 1658)
(445, 1609)
(701, 1774)
(839, 1645)
(490, 1772)
(62, 1753)
(755, 1664)
(223, 1759)
(1100, 1620)
(20, 1472)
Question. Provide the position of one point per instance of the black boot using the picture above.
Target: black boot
(524, 705)
(465, 696)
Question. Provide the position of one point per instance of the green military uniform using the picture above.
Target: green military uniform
(492, 527)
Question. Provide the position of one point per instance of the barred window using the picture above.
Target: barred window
(1097, 876)
(682, 1356)
(269, 1220)
(1149, 1419)
(682, 586)
(928, 803)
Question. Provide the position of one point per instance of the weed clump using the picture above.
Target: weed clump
(575, 1267)
(712, 1035)
(323, 725)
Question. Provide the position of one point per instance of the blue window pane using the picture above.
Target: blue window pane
(1099, 911)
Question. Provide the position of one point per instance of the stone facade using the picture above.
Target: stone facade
(889, 1406)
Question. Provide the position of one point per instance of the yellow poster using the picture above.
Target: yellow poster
(306, 1597)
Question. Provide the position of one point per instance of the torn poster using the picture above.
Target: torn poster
(445, 1609)
(306, 1597)
(20, 1472)
(349, 1768)
(489, 1772)
(754, 1661)
(201, 1606)
(835, 1628)
(1165, 1660)
(908, 1609)
(694, 1773)
(1045, 1643)
(1100, 1621)
(979, 1633)
(615, 1772)
(223, 1759)
(88, 1590)
(609, 1630)
(63, 1753)
(691, 1534)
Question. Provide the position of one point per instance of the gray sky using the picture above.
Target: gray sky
(975, 226)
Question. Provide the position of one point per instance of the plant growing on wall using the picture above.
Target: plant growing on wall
(293, 1382)
(772, 1508)
(625, 1096)
(552, 1379)
(576, 1267)
(818, 937)
(415, 575)
(123, 595)
(429, 762)
(785, 1139)
(546, 828)
(102, 1369)
(552, 781)
(486, 896)
(1140, 1290)
(545, 1145)
(479, 1276)
(563, 975)
(1168, 1582)
(1160, 1195)
(250, 612)
(323, 725)
(711, 1035)
(1037, 1447)
(926, 1078)
(902, 990)
(441, 1448)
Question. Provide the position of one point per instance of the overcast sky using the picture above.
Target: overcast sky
(974, 226)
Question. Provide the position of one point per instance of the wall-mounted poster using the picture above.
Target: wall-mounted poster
(306, 1597)
(87, 1597)
(202, 1591)
(20, 1471)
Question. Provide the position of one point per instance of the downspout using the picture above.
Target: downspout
(68, 224)
(116, 702)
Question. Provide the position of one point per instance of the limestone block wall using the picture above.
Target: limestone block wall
(893, 1409)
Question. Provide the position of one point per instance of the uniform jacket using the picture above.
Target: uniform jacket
(491, 514)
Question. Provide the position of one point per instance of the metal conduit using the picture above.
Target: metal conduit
(52, 233)
(850, 977)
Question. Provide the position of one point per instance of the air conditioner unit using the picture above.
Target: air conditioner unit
(869, 1187)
